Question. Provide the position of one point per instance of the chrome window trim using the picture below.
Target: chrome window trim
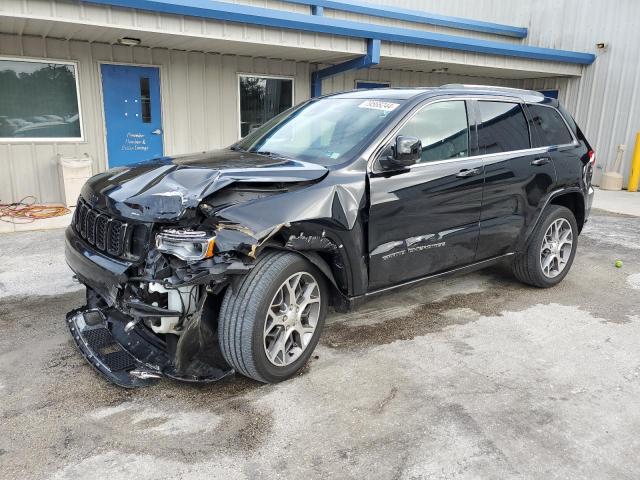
(528, 151)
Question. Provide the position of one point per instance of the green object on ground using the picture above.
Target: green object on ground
(618, 263)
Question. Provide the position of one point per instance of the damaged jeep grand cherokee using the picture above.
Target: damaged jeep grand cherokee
(201, 265)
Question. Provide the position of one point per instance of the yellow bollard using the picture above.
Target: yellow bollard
(634, 177)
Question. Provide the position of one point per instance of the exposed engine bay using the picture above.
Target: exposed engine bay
(155, 282)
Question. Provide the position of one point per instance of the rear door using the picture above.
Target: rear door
(424, 219)
(550, 131)
(517, 176)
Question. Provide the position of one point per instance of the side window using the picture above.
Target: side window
(442, 128)
(502, 127)
(550, 126)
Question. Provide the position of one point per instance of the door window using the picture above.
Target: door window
(443, 129)
(550, 126)
(368, 84)
(261, 99)
(502, 127)
(145, 99)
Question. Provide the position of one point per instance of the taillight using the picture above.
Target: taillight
(587, 170)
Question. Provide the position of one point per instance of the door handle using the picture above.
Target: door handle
(157, 131)
(465, 173)
(541, 161)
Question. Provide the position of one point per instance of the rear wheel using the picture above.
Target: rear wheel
(271, 324)
(551, 249)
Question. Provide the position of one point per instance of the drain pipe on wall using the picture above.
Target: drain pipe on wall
(371, 58)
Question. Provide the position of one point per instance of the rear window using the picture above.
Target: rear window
(550, 127)
(502, 127)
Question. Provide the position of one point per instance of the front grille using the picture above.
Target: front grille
(107, 234)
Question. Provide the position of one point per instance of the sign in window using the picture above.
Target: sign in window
(39, 100)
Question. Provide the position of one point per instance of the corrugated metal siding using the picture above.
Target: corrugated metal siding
(199, 95)
(605, 101)
(155, 29)
(347, 80)
(200, 102)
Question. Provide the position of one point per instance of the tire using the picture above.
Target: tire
(243, 318)
(528, 265)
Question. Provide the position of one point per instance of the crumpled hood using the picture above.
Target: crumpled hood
(171, 188)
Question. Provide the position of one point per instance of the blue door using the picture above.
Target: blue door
(132, 113)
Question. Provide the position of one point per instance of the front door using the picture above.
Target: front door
(132, 112)
(424, 220)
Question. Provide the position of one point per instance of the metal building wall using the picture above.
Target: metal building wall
(200, 102)
(606, 99)
(199, 95)
(405, 78)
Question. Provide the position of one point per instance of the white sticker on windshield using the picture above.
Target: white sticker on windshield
(379, 105)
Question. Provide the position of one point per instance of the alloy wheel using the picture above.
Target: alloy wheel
(557, 245)
(291, 319)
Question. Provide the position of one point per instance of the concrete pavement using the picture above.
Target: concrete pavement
(467, 377)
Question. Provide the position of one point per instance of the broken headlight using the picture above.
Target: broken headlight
(188, 245)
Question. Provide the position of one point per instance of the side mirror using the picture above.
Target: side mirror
(405, 152)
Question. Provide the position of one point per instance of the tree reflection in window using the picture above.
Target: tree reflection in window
(262, 98)
(39, 100)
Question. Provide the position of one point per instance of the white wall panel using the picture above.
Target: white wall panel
(199, 95)
(605, 100)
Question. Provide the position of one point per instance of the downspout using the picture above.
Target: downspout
(371, 58)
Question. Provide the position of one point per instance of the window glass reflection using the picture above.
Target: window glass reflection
(261, 99)
(38, 100)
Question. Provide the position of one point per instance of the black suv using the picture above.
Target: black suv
(201, 265)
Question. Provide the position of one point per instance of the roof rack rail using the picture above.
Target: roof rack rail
(519, 91)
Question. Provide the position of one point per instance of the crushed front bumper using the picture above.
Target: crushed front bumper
(111, 333)
(96, 339)
(134, 358)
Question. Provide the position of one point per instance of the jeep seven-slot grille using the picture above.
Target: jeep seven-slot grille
(105, 233)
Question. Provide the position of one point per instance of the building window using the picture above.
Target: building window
(39, 100)
(370, 84)
(261, 99)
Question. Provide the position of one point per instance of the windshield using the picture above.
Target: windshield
(325, 131)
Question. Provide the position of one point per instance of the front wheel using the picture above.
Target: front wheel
(551, 249)
(271, 323)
